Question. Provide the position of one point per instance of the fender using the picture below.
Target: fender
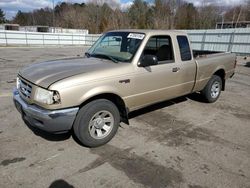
(98, 91)
(111, 94)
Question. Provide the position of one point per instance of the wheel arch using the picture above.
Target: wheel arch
(113, 97)
(221, 73)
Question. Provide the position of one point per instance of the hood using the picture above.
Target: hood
(46, 73)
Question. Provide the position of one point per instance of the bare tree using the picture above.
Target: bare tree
(208, 15)
(138, 14)
(101, 15)
(186, 16)
(162, 14)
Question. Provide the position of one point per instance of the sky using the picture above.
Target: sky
(10, 7)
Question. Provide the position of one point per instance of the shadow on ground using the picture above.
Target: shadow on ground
(247, 64)
(60, 184)
(47, 135)
(195, 97)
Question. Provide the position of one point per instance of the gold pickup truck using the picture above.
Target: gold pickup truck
(123, 71)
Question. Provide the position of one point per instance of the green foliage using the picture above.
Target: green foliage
(22, 18)
(2, 17)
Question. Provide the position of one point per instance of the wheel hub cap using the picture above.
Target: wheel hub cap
(215, 89)
(101, 124)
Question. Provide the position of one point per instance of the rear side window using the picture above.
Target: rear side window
(184, 48)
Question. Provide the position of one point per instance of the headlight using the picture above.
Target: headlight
(46, 96)
(17, 83)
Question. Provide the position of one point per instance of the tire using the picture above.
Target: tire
(212, 90)
(96, 123)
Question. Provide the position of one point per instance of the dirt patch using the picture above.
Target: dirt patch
(242, 116)
(166, 128)
(205, 169)
(138, 169)
(10, 161)
(5, 60)
(180, 136)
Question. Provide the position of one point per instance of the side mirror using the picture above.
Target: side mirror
(148, 60)
(117, 39)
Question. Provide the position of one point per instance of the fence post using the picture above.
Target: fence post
(43, 39)
(203, 40)
(58, 39)
(231, 40)
(6, 40)
(26, 38)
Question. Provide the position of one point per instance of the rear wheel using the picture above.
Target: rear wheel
(97, 122)
(213, 89)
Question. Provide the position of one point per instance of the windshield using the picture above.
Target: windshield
(116, 46)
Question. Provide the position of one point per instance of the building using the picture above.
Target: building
(35, 28)
(10, 27)
(66, 30)
(41, 28)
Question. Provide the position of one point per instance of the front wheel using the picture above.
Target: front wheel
(97, 122)
(213, 89)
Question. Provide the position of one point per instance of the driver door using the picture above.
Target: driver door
(168, 79)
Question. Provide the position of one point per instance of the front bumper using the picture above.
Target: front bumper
(47, 120)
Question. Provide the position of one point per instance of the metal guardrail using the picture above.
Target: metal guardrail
(22, 38)
(225, 40)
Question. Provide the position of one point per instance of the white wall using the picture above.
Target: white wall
(226, 40)
(232, 40)
(17, 38)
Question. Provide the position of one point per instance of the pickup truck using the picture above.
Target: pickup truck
(123, 71)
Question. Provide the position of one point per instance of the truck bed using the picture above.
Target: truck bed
(206, 63)
(203, 53)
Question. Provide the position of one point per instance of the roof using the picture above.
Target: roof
(45, 26)
(10, 24)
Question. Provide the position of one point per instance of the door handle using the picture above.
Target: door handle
(175, 69)
(124, 81)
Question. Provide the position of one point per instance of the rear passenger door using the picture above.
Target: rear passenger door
(166, 80)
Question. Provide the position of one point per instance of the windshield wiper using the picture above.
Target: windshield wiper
(106, 56)
(87, 54)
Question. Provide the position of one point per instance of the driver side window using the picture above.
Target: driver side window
(161, 47)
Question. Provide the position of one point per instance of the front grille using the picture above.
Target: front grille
(25, 89)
